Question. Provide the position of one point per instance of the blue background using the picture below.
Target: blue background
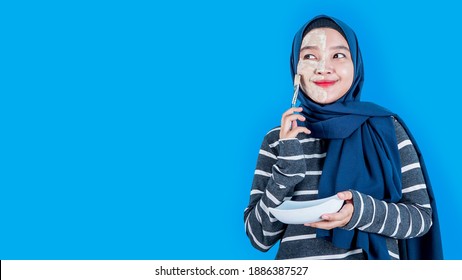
(130, 129)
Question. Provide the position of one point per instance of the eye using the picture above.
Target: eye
(309, 56)
(339, 55)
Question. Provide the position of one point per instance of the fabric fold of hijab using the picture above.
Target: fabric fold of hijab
(362, 152)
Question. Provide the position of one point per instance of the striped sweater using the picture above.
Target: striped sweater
(291, 169)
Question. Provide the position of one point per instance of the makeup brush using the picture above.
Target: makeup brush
(296, 88)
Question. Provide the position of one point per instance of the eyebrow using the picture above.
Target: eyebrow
(340, 47)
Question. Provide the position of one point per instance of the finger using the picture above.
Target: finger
(342, 217)
(343, 213)
(324, 224)
(294, 124)
(284, 130)
(286, 125)
(294, 132)
(333, 220)
(333, 217)
(345, 195)
(294, 117)
(292, 110)
(287, 120)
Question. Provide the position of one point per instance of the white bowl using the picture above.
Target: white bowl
(301, 212)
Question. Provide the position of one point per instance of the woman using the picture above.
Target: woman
(335, 144)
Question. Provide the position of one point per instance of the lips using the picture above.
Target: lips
(325, 83)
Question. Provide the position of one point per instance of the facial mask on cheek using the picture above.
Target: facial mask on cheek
(316, 93)
(308, 67)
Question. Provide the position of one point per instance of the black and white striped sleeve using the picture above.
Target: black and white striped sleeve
(280, 166)
(412, 215)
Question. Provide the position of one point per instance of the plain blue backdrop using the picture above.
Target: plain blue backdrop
(130, 129)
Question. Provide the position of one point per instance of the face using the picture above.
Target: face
(325, 65)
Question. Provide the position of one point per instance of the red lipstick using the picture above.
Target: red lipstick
(324, 83)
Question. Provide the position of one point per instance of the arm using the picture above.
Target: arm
(412, 215)
(280, 166)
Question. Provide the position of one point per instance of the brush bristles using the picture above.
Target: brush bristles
(297, 80)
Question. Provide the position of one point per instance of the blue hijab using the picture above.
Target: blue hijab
(362, 154)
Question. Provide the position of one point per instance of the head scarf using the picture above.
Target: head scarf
(362, 150)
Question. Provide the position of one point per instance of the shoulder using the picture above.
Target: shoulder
(273, 133)
(272, 136)
(401, 131)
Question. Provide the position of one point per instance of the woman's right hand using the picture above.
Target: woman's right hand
(289, 127)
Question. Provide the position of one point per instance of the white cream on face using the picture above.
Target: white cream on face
(318, 38)
(325, 65)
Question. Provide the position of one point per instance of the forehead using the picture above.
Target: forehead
(323, 36)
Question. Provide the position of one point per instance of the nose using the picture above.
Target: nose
(323, 68)
(323, 71)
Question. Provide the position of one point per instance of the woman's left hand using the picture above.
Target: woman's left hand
(339, 219)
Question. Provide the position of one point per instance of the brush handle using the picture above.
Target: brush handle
(296, 89)
(294, 98)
